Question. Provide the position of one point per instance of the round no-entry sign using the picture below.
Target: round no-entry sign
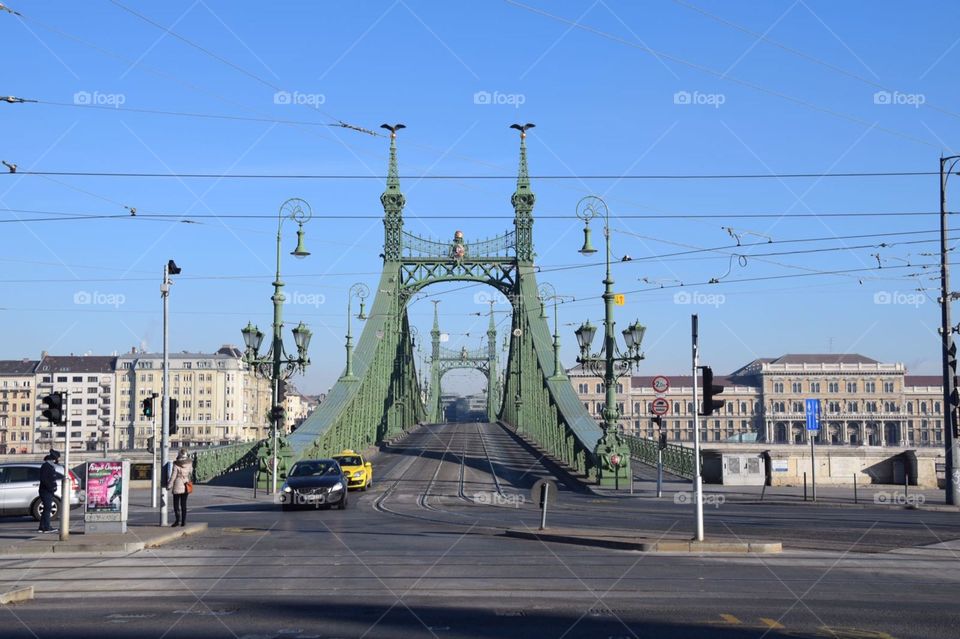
(661, 384)
(660, 406)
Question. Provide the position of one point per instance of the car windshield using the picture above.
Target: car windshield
(350, 460)
(313, 469)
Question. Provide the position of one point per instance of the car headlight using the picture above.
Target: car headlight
(337, 486)
(358, 473)
(286, 488)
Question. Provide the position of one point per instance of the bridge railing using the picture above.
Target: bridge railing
(217, 460)
(535, 399)
(676, 458)
(382, 398)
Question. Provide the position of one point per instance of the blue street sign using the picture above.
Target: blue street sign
(812, 409)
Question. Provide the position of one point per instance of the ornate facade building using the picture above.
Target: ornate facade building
(219, 400)
(18, 403)
(863, 402)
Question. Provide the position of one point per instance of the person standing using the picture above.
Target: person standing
(181, 485)
(49, 476)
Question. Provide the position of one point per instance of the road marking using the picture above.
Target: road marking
(730, 619)
(853, 633)
(771, 624)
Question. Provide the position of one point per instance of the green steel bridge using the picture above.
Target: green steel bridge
(383, 398)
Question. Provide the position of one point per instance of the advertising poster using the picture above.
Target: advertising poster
(106, 491)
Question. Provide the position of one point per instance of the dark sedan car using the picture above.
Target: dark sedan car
(314, 483)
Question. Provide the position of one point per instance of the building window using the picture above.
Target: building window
(778, 387)
(833, 387)
(814, 387)
(797, 387)
(851, 387)
(870, 387)
(888, 387)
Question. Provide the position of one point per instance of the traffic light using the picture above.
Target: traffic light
(173, 416)
(148, 407)
(663, 441)
(952, 363)
(276, 414)
(54, 409)
(710, 390)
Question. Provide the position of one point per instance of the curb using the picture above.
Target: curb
(17, 595)
(30, 548)
(645, 545)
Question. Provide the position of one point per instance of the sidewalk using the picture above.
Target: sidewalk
(626, 540)
(136, 538)
(679, 489)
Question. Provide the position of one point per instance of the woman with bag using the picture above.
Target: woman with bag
(181, 485)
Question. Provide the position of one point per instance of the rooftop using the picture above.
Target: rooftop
(18, 366)
(77, 364)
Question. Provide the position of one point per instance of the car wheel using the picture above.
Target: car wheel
(36, 509)
(343, 503)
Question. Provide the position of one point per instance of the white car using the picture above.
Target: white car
(20, 486)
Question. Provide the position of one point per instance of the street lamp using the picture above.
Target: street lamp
(274, 364)
(362, 292)
(547, 293)
(608, 363)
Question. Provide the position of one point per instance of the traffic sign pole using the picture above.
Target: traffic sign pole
(697, 479)
(812, 407)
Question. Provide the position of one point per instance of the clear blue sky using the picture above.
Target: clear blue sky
(774, 87)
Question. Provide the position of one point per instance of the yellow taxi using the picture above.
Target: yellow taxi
(357, 470)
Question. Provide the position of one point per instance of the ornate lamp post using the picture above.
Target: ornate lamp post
(362, 292)
(548, 293)
(275, 365)
(608, 361)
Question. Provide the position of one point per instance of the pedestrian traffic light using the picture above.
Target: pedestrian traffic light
(148, 407)
(710, 390)
(663, 441)
(173, 416)
(54, 409)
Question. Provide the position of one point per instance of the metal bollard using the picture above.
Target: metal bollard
(855, 488)
(804, 486)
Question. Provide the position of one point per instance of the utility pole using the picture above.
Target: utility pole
(697, 480)
(950, 398)
(66, 487)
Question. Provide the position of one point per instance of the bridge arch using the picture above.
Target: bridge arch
(385, 398)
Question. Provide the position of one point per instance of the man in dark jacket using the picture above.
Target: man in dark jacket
(49, 476)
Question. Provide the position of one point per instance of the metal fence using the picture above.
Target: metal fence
(676, 458)
(217, 460)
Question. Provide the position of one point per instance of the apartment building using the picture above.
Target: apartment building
(863, 402)
(219, 400)
(88, 381)
(17, 402)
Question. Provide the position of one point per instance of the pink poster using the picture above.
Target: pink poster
(105, 486)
